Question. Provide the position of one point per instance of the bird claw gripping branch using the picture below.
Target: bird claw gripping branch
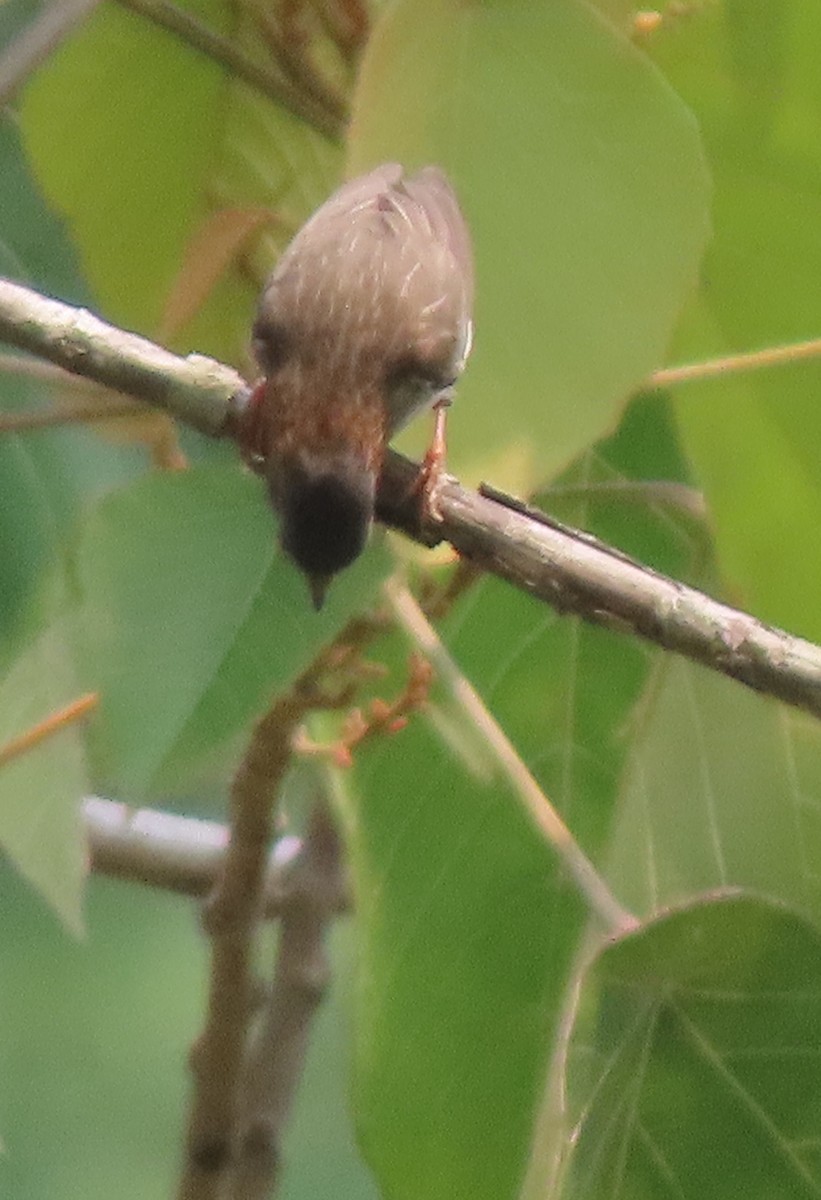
(364, 322)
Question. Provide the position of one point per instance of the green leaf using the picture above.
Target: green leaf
(136, 136)
(582, 177)
(467, 927)
(720, 790)
(45, 476)
(711, 797)
(41, 789)
(749, 72)
(191, 618)
(620, 12)
(699, 1076)
(120, 125)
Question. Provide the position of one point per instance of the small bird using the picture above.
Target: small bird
(364, 322)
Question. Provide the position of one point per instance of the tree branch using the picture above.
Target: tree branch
(277, 1051)
(576, 573)
(231, 919)
(178, 854)
(49, 29)
(571, 571)
(196, 390)
(304, 886)
(235, 907)
(196, 34)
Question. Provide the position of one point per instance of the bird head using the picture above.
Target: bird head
(326, 505)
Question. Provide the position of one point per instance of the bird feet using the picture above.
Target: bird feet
(432, 469)
(249, 437)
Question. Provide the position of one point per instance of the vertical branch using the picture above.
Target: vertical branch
(236, 907)
(231, 918)
(277, 1053)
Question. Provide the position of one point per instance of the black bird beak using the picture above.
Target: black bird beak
(318, 585)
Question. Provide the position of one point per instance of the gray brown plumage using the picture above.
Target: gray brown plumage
(365, 321)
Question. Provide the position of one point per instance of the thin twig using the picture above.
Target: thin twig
(737, 364)
(53, 724)
(34, 368)
(347, 25)
(613, 916)
(25, 367)
(292, 57)
(277, 1052)
(52, 418)
(677, 496)
(183, 855)
(197, 35)
(437, 601)
(562, 566)
(37, 41)
(91, 403)
(381, 719)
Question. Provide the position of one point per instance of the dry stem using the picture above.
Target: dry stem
(196, 34)
(544, 816)
(48, 727)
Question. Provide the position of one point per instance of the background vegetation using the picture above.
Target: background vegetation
(597, 161)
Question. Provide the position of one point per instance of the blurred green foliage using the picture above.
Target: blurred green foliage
(580, 156)
(94, 1045)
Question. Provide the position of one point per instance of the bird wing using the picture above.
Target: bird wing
(383, 273)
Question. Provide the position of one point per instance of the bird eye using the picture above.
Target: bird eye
(271, 345)
(412, 371)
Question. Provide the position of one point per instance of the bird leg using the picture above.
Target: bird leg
(249, 439)
(433, 464)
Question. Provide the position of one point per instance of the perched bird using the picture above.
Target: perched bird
(365, 321)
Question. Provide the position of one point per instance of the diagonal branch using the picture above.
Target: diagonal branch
(200, 37)
(613, 917)
(49, 29)
(196, 390)
(575, 573)
(569, 570)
